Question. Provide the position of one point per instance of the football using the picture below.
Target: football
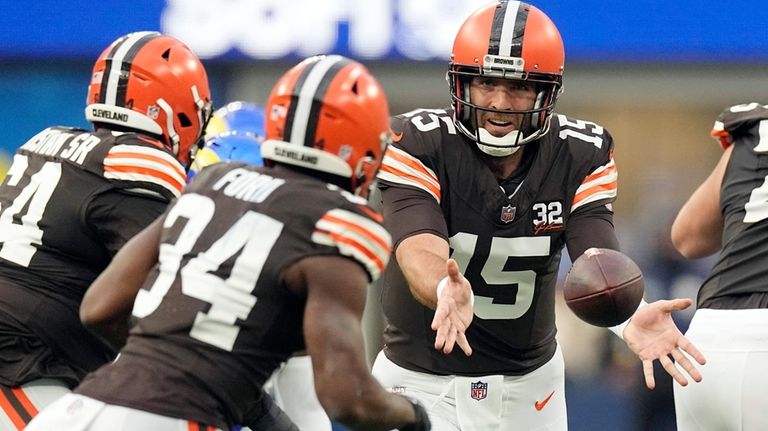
(603, 287)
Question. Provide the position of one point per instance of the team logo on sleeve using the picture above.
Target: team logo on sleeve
(478, 390)
(508, 213)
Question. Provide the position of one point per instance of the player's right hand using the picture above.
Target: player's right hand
(454, 312)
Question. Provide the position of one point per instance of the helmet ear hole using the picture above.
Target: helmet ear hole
(167, 54)
(184, 121)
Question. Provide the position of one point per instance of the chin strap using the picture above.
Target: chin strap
(499, 146)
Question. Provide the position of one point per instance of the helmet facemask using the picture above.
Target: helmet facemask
(535, 121)
(368, 167)
(205, 114)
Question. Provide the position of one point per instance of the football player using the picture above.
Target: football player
(73, 197)
(249, 266)
(480, 200)
(729, 213)
(234, 133)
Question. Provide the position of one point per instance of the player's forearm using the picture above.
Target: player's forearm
(698, 227)
(361, 403)
(375, 410)
(422, 260)
(697, 232)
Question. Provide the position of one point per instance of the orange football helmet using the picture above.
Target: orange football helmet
(154, 83)
(328, 114)
(508, 40)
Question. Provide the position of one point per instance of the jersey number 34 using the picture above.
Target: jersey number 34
(252, 236)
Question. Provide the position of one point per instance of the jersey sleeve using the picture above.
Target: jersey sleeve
(599, 186)
(592, 228)
(116, 216)
(736, 120)
(408, 161)
(357, 234)
(409, 183)
(142, 166)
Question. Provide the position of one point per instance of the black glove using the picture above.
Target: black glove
(264, 414)
(422, 419)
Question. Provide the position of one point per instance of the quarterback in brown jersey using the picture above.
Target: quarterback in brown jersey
(73, 197)
(250, 265)
(480, 200)
(729, 213)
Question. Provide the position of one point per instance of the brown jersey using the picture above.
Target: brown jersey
(507, 242)
(738, 278)
(215, 318)
(69, 201)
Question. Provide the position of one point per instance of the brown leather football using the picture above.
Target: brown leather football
(603, 287)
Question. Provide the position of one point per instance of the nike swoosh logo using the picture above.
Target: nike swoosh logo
(540, 404)
(396, 137)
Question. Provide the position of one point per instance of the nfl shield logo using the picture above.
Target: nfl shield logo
(153, 111)
(508, 213)
(479, 390)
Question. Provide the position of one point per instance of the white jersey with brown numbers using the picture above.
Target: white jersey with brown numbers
(738, 278)
(61, 221)
(215, 306)
(507, 244)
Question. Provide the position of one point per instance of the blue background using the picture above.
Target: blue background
(594, 30)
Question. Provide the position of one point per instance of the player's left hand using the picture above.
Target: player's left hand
(653, 335)
(454, 312)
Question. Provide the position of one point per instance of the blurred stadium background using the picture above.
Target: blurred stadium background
(656, 74)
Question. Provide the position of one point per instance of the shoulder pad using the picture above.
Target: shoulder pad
(583, 132)
(357, 235)
(145, 163)
(736, 119)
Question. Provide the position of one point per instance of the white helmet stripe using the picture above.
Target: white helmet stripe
(307, 96)
(124, 51)
(508, 29)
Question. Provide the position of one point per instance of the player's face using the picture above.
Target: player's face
(497, 93)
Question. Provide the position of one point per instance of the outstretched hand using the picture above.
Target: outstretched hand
(454, 312)
(652, 335)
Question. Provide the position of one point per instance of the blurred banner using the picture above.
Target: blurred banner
(699, 31)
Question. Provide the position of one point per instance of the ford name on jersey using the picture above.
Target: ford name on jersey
(51, 142)
(248, 186)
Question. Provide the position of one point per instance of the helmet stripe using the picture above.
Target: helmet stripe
(114, 83)
(307, 99)
(508, 29)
